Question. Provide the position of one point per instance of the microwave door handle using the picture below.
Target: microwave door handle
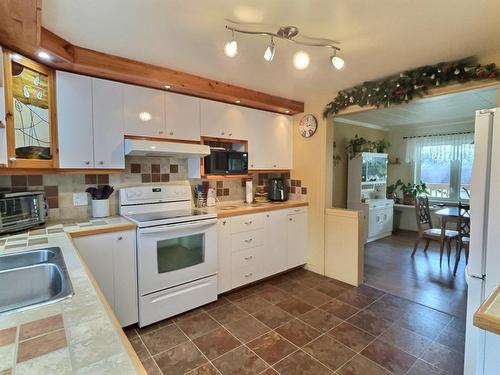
(169, 228)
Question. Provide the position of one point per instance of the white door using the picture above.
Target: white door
(74, 120)
(275, 242)
(144, 111)
(125, 277)
(182, 117)
(222, 120)
(296, 237)
(108, 121)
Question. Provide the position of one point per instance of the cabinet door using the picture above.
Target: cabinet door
(260, 141)
(3, 128)
(275, 242)
(221, 120)
(296, 238)
(224, 255)
(282, 138)
(125, 277)
(97, 252)
(144, 111)
(74, 120)
(182, 117)
(107, 100)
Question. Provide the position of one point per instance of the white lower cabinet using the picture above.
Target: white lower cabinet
(255, 246)
(111, 258)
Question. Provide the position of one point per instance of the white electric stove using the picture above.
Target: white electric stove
(176, 250)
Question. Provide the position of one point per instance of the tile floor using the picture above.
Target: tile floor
(304, 323)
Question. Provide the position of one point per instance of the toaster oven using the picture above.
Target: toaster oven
(22, 210)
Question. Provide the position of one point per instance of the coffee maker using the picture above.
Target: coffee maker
(277, 190)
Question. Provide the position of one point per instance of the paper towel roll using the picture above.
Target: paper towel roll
(249, 191)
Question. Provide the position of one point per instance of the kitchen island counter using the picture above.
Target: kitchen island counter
(79, 334)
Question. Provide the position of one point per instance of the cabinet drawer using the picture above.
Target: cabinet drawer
(296, 210)
(246, 223)
(247, 240)
(247, 257)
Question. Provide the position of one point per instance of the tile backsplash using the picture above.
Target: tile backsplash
(59, 188)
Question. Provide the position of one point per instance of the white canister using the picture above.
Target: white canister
(100, 207)
(249, 191)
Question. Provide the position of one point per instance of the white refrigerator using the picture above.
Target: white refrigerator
(482, 349)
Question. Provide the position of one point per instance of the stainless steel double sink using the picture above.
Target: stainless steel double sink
(33, 278)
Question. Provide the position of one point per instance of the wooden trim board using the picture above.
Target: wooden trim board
(485, 319)
(91, 231)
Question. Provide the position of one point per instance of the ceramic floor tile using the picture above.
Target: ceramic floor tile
(422, 368)
(273, 316)
(216, 343)
(294, 307)
(405, 340)
(252, 304)
(273, 294)
(180, 359)
(444, 358)
(151, 367)
(163, 339)
(221, 301)
(356, 299)
(369, 291)
(389, 357)
(453, 338)
(329, 352)
(351, 336)
(320, 319)
(299, 363)
(271, 347)
(206, 369)
(140, 349)
(247, 329)
(370, 322)
(313, 297)
(227, 314)
(153, 327)
(197, 325)
(298, 332)
(423, 325)
(240, 361)
(329, 289)
(292, 287)
(360, 365)
(340, 309)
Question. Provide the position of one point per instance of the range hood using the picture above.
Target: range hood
(171, 149)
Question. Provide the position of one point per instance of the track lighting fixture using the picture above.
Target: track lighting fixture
(337, 62)
(301, 59)
(269, 53)
(231, 47)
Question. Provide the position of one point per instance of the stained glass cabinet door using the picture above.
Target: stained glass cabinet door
(30, 108)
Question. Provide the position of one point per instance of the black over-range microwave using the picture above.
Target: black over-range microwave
(224, 162)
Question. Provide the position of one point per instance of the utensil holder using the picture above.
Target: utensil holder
(100, 207)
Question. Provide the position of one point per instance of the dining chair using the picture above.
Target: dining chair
(427, 231)
(463, 238)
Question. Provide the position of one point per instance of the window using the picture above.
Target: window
(444, 163)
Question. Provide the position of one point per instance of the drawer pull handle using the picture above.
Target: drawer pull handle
(248, 240)
(249, 274)
(249, 257)
(248, 222)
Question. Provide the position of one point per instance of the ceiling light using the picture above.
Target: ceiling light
(269, 54)
(44, 55)
(287, 111)
(237, 101)
(145, 116)
(337, 62)
(168, 87)
(231, 47)
(301, 60)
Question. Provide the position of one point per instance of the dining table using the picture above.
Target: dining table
(449, 214)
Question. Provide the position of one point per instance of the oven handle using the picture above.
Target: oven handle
(169, 228)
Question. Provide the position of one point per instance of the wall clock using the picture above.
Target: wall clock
(308, 125)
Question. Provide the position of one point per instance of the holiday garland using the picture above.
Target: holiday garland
(407, 85)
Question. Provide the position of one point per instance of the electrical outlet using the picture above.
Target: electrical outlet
(80, 199)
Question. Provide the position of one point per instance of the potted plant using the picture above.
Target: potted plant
(355, 145)
(391, 192)
(411, 190)
(382, 145)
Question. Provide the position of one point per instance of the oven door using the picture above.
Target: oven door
(171, 255)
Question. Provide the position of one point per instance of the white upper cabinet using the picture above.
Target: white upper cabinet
(221, 120)
(144, 111)
(107, 99)
(182, 117)
(74, 120)
(270, 141)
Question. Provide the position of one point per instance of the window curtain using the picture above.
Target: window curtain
(439, 147)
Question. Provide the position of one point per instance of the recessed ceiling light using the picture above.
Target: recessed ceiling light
(145, 116)
(237, 101)
(44, 55)
(287, 111)
(168, 87)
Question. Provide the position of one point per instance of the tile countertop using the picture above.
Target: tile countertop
(77, 335)
(237, 208)
(487, 317)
